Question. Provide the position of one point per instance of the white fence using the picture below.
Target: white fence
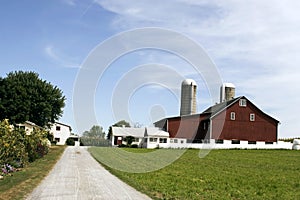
(226, 144)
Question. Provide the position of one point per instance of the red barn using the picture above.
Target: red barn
(236, 119)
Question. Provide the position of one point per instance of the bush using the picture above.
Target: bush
(12, 143)
(134, 146)
(70, 142)
(17, 148)
(36, 144)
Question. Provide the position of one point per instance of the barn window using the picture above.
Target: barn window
(243, 102)
(232, 115)
(175, 141)
(219, 141)
(268, 142)
(252, 117)
(235, 142)
(58, 128)
(251, 142)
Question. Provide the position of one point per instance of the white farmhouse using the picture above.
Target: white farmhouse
(61, 132)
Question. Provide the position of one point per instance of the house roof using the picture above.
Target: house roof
(154, 131)
(29, 123)
(128, 131)
(64, 125)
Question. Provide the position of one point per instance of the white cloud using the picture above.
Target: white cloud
(254, 43)
(59, 58)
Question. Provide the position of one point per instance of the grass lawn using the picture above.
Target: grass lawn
(222, 174)
(24, 181)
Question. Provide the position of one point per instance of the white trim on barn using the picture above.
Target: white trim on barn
(154, 137)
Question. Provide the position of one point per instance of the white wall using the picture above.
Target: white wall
(63, 134)
(157, 144)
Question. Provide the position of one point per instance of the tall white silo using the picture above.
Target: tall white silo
(227, 92)
(188, 97)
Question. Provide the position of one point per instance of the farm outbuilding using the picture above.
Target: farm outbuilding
(150, 137)
(237, 120)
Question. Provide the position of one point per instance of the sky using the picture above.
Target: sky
(254, 44)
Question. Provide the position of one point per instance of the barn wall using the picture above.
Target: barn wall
(192, 127)
(263, 128)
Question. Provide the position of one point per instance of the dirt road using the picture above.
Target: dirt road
(78, 176)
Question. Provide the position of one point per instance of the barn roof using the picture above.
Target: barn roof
(221, 106)
(214, 110)
(218, 108)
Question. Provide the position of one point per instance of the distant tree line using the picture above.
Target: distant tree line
(96, 136)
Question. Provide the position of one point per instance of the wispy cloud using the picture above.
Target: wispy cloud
(59, 58)
(70, 2)
(254, 43)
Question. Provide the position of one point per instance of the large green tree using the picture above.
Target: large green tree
(26, 97)
(118, 124)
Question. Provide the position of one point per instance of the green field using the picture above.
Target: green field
(222, 174)
(23, 182)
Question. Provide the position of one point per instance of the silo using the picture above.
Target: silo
(188, 97)
(227, 92)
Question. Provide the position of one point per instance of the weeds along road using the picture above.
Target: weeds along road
(78, 176)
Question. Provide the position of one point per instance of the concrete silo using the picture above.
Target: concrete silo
(227, 92)
(188, 97)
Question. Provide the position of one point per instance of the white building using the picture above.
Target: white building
(143, 137)
(61, 132)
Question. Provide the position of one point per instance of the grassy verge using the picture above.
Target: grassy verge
(23, 182)
(222, 174)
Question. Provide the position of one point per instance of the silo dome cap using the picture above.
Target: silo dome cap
(189, 82)
(231, 85)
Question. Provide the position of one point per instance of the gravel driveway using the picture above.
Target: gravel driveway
(78, 176)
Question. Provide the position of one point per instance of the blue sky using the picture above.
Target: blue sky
(254, 44)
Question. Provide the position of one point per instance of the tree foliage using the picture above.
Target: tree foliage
(118, 124)
(94, 137)
(26, 97)
(96, 132)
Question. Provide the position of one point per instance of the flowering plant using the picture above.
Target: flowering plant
(7, 169)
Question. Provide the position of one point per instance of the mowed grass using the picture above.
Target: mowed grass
(23, 182)
(222, 174)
